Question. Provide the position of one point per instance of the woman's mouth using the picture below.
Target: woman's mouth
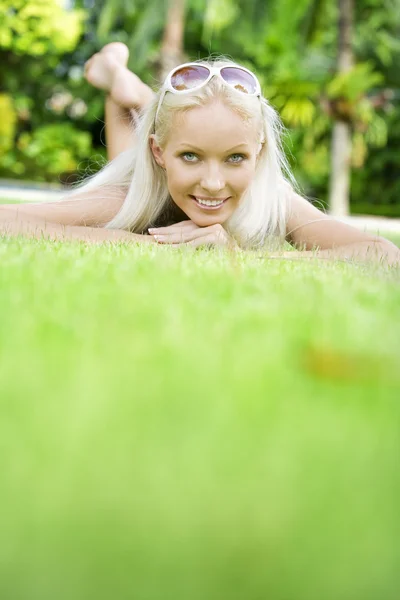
(209, 203)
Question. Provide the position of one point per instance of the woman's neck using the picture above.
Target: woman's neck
(177, 213)
(170, 215)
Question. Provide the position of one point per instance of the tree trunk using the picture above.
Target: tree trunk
(172, 45)
(339, 188)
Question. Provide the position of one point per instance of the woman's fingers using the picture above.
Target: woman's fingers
(184, 225)
(207, 240)
(215, 234)
(180, 236)
(188, 233)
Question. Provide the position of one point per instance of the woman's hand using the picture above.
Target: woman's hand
(188, 233)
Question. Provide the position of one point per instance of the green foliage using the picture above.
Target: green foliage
(139, 24)
(381, 210)
(7, 123)
(48, 152)
(38, 27)
(28, 147)
(296, 100)
(55, 148)
(353, 84)
(219, 15)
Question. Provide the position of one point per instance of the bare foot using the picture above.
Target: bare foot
(99, 69)
(119, 50)
(107, 71)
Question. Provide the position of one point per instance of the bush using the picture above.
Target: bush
(380, 210)
(38, 27)
(48, 151)
(7, 123)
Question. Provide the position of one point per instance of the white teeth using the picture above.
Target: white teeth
(210, 202)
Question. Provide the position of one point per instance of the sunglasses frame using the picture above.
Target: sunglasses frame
(213, 71)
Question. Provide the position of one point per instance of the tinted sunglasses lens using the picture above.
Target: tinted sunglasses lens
(188, 78)
(241, 80)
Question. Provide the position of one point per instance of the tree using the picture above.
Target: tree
(171, 51)
(339, 201)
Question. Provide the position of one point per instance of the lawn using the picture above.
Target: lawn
(197, 425)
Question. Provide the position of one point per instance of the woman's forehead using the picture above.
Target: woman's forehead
(212, 124)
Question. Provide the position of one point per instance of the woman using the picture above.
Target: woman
(198, 163)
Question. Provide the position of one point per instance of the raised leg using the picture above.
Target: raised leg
(119, 128)
(126, 95)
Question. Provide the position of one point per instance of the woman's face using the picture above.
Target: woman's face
(210, 161)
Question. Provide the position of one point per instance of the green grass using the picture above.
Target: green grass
(196, 425)
(393, 238)
(10, 201)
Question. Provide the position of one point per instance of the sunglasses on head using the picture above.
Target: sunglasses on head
(192, 76)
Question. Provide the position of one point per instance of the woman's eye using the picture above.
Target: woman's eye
(189, 157)
(236, 158)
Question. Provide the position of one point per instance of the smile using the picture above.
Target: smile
(209, 204)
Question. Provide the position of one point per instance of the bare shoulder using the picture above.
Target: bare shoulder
(94, 208)
(308, 227)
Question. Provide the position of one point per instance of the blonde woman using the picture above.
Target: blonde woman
(199, 163)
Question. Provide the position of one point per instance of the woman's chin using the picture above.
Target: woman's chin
(207, 220)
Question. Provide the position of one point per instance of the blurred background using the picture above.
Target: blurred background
(330, 67)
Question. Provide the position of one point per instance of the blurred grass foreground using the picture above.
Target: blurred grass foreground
(181, 426)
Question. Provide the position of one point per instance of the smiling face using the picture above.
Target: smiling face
(210, 161)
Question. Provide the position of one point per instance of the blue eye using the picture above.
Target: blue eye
(189, 157)
(236, 158)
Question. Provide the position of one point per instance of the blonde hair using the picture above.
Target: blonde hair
(262, 212)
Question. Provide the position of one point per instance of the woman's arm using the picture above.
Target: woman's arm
(321, 236)
(39, 229)
(91, 209)
(80, 218)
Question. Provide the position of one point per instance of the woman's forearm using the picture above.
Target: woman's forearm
(381, 251)
(53, 231)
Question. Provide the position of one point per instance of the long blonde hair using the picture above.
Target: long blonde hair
(262, 212)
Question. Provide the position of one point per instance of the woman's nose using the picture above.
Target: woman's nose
(213, 181)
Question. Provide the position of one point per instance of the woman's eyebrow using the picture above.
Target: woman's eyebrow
(237, 147)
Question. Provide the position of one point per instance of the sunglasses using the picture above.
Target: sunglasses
(192, 76)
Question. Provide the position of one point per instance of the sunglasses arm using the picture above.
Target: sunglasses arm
(161, 100)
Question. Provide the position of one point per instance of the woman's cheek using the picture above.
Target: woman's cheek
(247, 176)
(242, 180)
(182, 178)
